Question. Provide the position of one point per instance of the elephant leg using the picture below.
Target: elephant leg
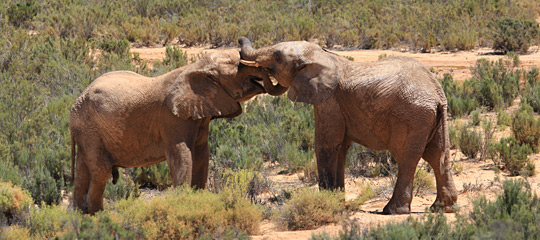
(331, 145)
(200, 166)
(179, 159)
(96, 190)
(100, 170)
(201, 157)
(342, 159)
(400, 203)
(82, 183)
(438, 158)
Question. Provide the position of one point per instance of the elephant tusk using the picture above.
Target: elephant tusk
(249, 63)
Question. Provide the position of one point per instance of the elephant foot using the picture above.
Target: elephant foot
(439, 206)
(391, 209)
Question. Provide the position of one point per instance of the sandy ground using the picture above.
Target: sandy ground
(476, 175)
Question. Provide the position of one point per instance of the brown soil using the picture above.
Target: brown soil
(477, 177)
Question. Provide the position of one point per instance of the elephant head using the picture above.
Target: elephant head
(311, 72)
(214, 86)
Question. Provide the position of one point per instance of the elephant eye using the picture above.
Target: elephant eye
(278, 57)
(301, 67)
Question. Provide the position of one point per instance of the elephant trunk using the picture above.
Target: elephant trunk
(270, 88)
(246, 50)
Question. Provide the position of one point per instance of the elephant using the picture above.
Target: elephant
(393, 104)
(123, 119)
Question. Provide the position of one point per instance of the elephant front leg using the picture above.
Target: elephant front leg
(179, 159)
(200, 166)
(331, 145)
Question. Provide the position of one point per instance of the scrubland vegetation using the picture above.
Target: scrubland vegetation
(51, 50)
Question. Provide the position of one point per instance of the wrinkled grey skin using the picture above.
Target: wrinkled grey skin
(393, 104)
(126, 120)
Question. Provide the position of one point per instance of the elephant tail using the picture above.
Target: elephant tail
(441, 123)
(73, 153)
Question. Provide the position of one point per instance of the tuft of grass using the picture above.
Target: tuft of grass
(367, 193)
(422, 182)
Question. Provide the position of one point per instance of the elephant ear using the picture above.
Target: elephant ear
(316, 81)
(196, 96)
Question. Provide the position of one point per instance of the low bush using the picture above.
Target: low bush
(470, 142)
(123, 189)
(52, 220)
(503, 118)
(157, 176)
(497, 82)
(188, 214)
(423, 182)
(366, 193)
(514, 35)
(514, 157)
(309, 208)
(531, 92)
(100, 226)
(460, 96)
(22, 12)
(244, 182)
(363, 161)
(14, 204)
(526, 127)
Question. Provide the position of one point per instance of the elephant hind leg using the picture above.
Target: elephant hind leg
(438, 158)
(400, 203)
(82, 183)
(95, 192)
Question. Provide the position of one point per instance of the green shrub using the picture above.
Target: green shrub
(514, 35)
(498, 83)
(20, 13)
(514, 214)
(526, 127)
(504, 118)
(123, 189)
(514, 156)
(475, 117)
(308, 209)
(454, 135)
(245, 182)
(14, 232)
(422, 182)
(363, 161)
(460, 97)
(470, 143)
(9, 173)
(51, 220)
(531, 92)
(120, 47)
(154, 176)
(187, 214)
(366, 194)
(100, 226)
(14, 203)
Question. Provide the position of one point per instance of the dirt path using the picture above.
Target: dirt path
(476, 178)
